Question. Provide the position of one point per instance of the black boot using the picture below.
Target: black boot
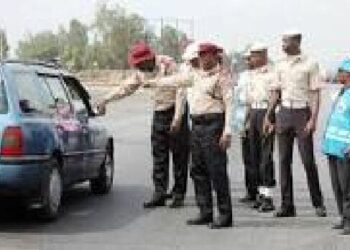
(257, 204)
(200, 220)
(176, 203)
(247, 199)
(346, 227)
(339, 225)
(321, 211)
(267, 205)
(223, 221)
(168, 196)
(285, 212)
(156, 201)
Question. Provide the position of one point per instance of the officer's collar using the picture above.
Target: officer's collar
(262, 69)
(213, 71)
(296, 58)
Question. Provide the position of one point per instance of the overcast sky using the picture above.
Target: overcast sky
(233, 23)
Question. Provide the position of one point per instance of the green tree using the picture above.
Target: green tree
(117, 30)
(169, 42)
(97, 56)
(4, 47)
(41, 46)
(114, 30)
(73, 45)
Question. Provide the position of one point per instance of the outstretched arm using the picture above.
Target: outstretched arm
(126, 88)
(184, 80)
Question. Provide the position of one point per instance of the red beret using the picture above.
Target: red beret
(140, 52)
(209, 47)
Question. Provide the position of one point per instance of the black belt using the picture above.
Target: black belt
(207, 118)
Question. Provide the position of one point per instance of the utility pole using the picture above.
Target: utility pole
(1, 44)
(177, 23)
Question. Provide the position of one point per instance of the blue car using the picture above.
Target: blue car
(50, 137)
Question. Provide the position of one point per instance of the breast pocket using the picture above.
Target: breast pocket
(301, 79)
(212, 89)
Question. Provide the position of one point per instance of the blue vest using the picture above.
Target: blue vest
(239, 105)
(336, 139)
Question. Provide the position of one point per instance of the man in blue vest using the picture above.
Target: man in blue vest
(240, 126)
(336, 145)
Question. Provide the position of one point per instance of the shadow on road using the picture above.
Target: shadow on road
(81, 212)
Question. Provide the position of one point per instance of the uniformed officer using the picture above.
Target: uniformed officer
(261, 142)
(336, 145)
(210, 101)
(298, 85)
(170, 132)
(240, 124)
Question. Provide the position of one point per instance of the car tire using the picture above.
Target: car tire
(52, 193)
(104, 182)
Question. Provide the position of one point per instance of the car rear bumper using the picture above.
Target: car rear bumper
(22, 178)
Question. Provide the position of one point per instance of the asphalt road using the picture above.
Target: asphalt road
(118, 221)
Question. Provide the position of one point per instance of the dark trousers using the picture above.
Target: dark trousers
(290, 125)
(209, 164)
(261, 149)
(164, 143)
(245, 145)
(339, 170)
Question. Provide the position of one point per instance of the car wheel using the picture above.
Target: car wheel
(52, 193)
(104, 182)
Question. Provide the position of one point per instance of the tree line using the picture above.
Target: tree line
(102, 45)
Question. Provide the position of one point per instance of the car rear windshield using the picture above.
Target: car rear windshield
(34, 96)
(3, 98)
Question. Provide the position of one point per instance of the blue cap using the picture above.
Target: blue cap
(345, 65)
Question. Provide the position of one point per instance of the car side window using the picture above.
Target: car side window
(58, 91)
(33, 96)
(3, 97)
(78, 104)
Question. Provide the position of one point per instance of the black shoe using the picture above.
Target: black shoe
(283, 212)
(168, 196)
(258, 201)
(177, 203)
(267, 206)
(257, 204)
(346, 227)
(346, 231)
(222, 222)
(247, 199)
(200, 220)
(157, 201)
(339, 226)
(321, 211)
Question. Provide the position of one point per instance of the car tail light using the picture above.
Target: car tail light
(12, 142)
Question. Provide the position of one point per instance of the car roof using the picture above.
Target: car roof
(50, 67)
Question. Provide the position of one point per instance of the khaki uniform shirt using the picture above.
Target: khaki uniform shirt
(163, 98)
(260, 83)
(208, 92)
(296, 76)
